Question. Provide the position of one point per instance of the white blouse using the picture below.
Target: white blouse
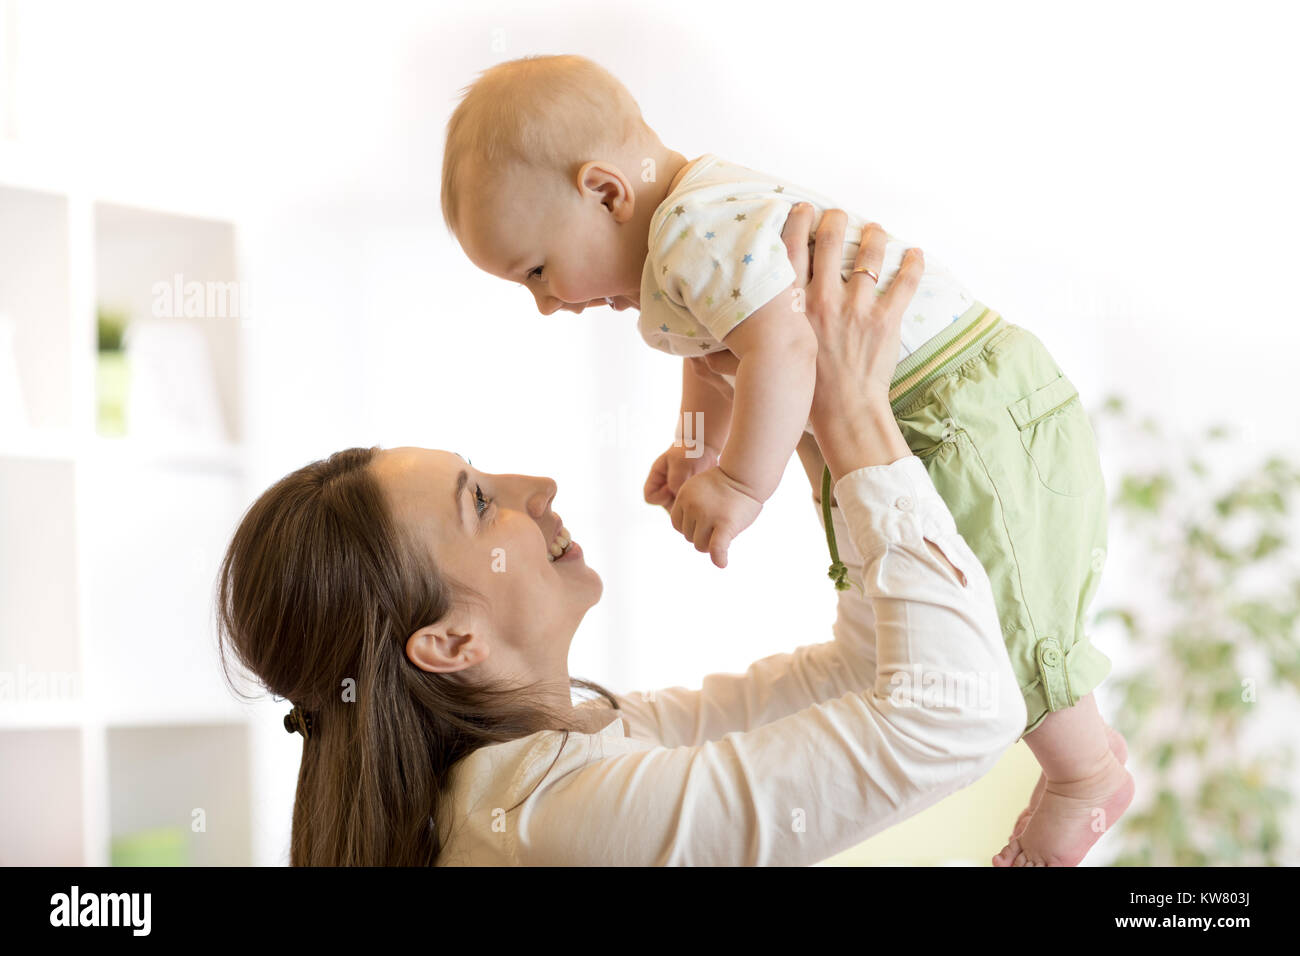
(804, 755)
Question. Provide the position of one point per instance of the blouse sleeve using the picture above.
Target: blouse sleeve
(781, 684)
(798, 785)
(773, 686)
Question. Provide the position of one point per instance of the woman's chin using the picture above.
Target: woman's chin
(573, 565)
(591, 580)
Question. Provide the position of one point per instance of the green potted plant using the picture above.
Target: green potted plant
(1213, 635)
(113, 374)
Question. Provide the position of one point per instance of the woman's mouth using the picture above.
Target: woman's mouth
(561, 545)
(572, 552)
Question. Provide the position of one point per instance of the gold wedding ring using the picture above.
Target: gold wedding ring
(874, 277)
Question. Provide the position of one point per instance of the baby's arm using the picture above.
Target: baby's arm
(775, 377)
(703, 421)
(777, 349)
(705, 408)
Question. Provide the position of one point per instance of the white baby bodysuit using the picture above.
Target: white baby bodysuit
(716, 257)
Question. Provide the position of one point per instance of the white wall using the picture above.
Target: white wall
(1117, 177)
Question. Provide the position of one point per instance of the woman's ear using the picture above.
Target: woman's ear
(445, 647)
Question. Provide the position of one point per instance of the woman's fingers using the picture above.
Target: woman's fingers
(829, 252)
(871, 255)
(903, 287)
(795, 236)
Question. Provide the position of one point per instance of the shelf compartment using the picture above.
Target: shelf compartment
(38, 577)
(154, 540)
(145, 263)
(40, 804)
(159, 776)
(36, 305)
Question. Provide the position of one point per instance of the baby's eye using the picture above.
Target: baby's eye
(536, 273)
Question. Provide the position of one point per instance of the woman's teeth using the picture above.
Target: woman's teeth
(560, 544)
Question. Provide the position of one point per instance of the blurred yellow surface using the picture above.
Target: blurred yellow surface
(967, 827)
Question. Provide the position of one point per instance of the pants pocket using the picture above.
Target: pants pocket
(1058, 438)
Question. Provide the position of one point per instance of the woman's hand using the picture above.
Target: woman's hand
(858, 336)
(858, 331)
(857, 339)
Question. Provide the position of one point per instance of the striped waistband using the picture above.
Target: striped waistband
(958, 342)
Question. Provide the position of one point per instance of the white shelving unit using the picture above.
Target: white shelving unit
(114, 719)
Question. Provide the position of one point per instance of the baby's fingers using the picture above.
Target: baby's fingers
(675, 514)
(656, 490)
(689, 522)
(661, 496)
(718, 546)
(703, 534)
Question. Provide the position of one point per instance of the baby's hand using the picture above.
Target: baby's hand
(711, 509)
(673, 469)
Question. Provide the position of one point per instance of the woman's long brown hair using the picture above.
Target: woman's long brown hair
(317, 595)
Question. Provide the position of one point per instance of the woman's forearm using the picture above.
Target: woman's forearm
(810, 456)
(858, 439)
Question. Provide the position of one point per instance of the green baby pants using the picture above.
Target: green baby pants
(1008, 445)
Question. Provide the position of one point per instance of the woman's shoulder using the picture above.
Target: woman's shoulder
(509, 770)
(489, 785)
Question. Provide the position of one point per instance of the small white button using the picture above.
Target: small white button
(903, 504)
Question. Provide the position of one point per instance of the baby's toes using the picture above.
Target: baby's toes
(1008, 853)
(1022, 821)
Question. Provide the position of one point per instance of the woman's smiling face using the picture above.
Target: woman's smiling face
(492, 533)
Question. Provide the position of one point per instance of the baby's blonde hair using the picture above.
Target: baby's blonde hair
(549, 112)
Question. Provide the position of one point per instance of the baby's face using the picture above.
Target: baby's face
(562, 243)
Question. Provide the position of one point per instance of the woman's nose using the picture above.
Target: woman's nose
(535, 494)
(543, 494)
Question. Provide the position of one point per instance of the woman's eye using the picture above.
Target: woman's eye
(478, 497)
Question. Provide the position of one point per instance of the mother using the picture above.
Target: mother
(371, 588)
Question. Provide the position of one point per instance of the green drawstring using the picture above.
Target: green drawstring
(838, 573)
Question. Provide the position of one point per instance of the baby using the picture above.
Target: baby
(552, 179)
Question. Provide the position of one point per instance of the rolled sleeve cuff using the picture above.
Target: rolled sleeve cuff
(880, 505)
(849, 553)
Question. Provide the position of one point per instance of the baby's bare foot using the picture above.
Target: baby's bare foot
(1023, 820)
(1071, 817)
(1118, 746)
